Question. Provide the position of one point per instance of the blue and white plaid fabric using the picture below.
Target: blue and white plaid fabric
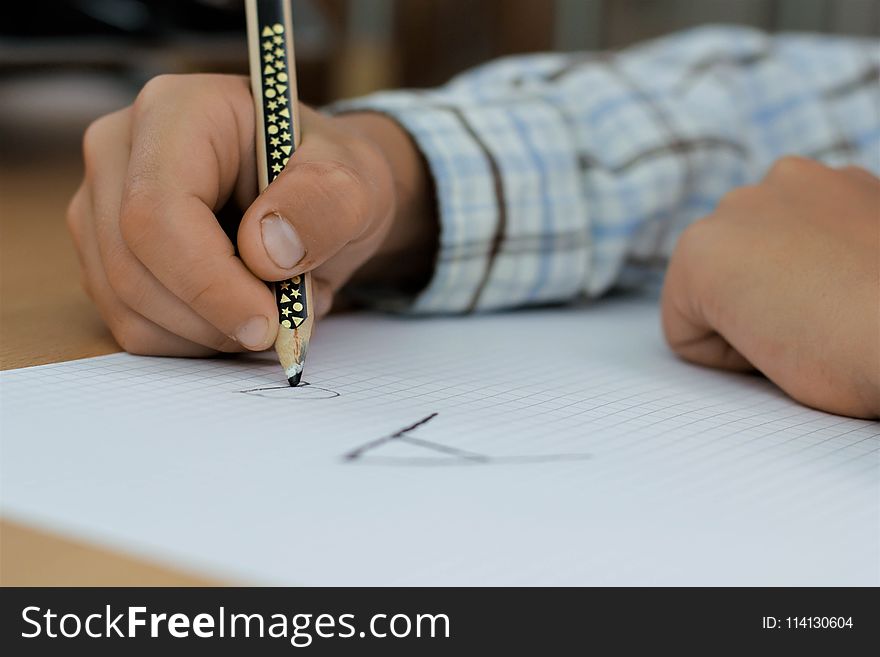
(554, 173)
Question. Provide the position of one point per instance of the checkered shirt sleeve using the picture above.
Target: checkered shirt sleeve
(557, 173)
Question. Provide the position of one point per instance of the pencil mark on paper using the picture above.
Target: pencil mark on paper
(454, 455)
(303, 392)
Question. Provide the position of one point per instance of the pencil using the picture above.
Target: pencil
(273, 84)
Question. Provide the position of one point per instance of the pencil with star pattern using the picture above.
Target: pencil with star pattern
(273, 84)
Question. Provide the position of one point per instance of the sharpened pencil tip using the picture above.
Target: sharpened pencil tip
(294, 380)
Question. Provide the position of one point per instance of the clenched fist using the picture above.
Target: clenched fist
(162, 174)
(784, 277)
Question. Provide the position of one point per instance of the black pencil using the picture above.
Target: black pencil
(273, 84)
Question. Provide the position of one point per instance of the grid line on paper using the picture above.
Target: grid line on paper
(618, 411)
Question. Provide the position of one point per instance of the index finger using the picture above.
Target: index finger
(191, 146)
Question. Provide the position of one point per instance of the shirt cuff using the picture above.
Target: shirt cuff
(496, 249)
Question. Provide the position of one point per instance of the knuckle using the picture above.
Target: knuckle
(136, 219)
(184, 91)
(199, 291)
(793, 166)
(157, 90)
(332, 172)
(122, 278)
(695, 239)
(690, 235)
(744, 196)
(91, 143)
(74, 216)
(133, 335)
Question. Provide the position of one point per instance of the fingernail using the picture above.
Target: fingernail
(281, 241)
(252, 334)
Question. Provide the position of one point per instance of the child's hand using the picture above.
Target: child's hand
(155, 259)
(784, 277)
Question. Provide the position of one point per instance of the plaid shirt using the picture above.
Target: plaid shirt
(556, 174)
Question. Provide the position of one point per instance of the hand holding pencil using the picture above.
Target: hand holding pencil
(162, 267)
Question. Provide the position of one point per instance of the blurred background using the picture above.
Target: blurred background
(63, 63)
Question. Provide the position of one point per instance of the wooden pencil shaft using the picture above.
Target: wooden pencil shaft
(273, 84)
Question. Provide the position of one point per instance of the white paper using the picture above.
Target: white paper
(565, 447)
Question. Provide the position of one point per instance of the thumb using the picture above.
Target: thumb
(317, 205)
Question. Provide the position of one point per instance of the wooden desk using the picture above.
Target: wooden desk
(39, 283)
